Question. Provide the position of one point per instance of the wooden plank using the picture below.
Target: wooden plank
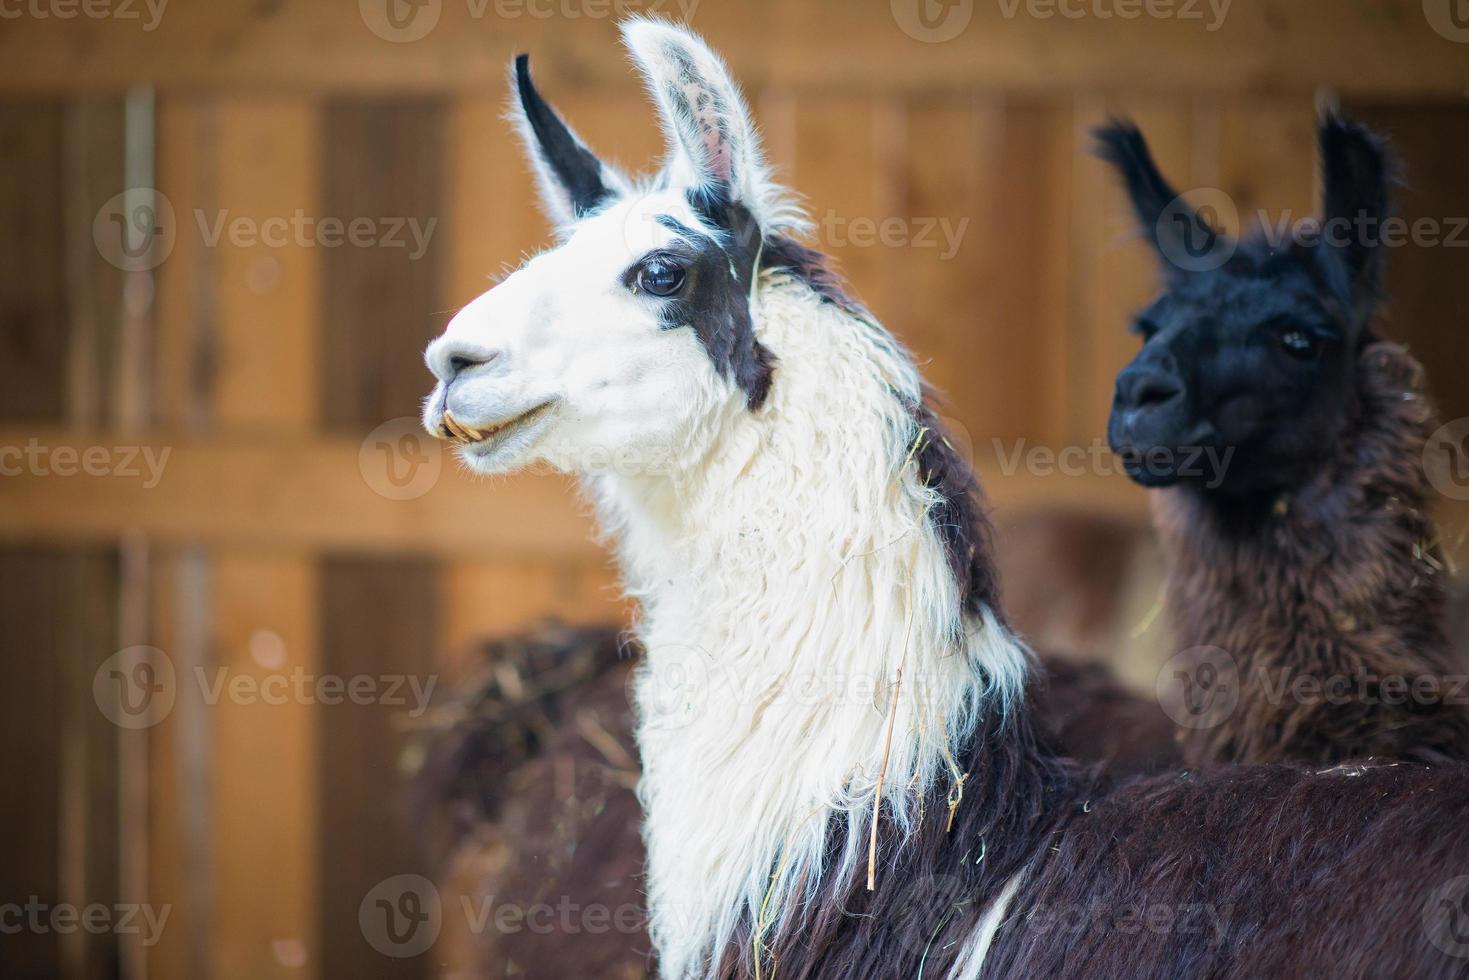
(1267, 158)
(945, 270)
(494, 220)
(179, 767)
(839, 160)
(1428, 306)
(287, 492)
(58, 604)
(377, 623)
(1385, 46)
(33, 298)
(94, 173)
(383, 166)
(264, 805)
(185, 320)
(311, 494)
(265, 743)
(267, 272)
(29, 706)
(485, 598)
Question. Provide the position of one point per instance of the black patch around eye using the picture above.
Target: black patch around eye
(714, 298)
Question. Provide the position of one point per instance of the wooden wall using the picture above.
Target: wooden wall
(290, 529)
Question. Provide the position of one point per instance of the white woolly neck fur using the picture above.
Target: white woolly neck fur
(784, 579)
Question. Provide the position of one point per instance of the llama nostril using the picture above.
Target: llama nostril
(450, 361)
(1146, 389)
(1155, 391)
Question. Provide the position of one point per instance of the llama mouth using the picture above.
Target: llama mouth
(452, 430)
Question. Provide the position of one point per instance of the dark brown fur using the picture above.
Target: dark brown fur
(1235, 872)
(538, 815)
(1342, 579)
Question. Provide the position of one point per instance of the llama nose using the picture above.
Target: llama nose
(1146, 388)
(448, 359)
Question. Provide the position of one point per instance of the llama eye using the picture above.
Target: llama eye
(1298, 344)
(659, 277)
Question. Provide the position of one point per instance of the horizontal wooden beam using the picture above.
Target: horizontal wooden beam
(307, 494)
(1391, 48)
(338, 494)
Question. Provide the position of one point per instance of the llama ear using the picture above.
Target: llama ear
(711, 141)
(573, 181)
(1357, 174)
(1180, 235)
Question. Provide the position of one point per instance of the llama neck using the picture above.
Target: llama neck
(1339, 581)
(807, 638)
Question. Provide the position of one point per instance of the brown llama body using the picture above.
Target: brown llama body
(534, 778)
(1330, 600)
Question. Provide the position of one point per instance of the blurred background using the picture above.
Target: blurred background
(233, 572)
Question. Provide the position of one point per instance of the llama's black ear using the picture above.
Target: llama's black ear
(573, 181)
(1182, 237)
(711, 141)
(1358, 172)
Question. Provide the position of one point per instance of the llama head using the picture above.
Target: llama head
(1254, 354)
(637, 327)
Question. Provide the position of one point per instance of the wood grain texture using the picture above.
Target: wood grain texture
(377, 621)
(267, 263)
(33, 296)
(1263, 46)
(265, 814)
(382, 166)
(1428, 305)
(58, 605)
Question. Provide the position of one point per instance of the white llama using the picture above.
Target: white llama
(840, 775)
